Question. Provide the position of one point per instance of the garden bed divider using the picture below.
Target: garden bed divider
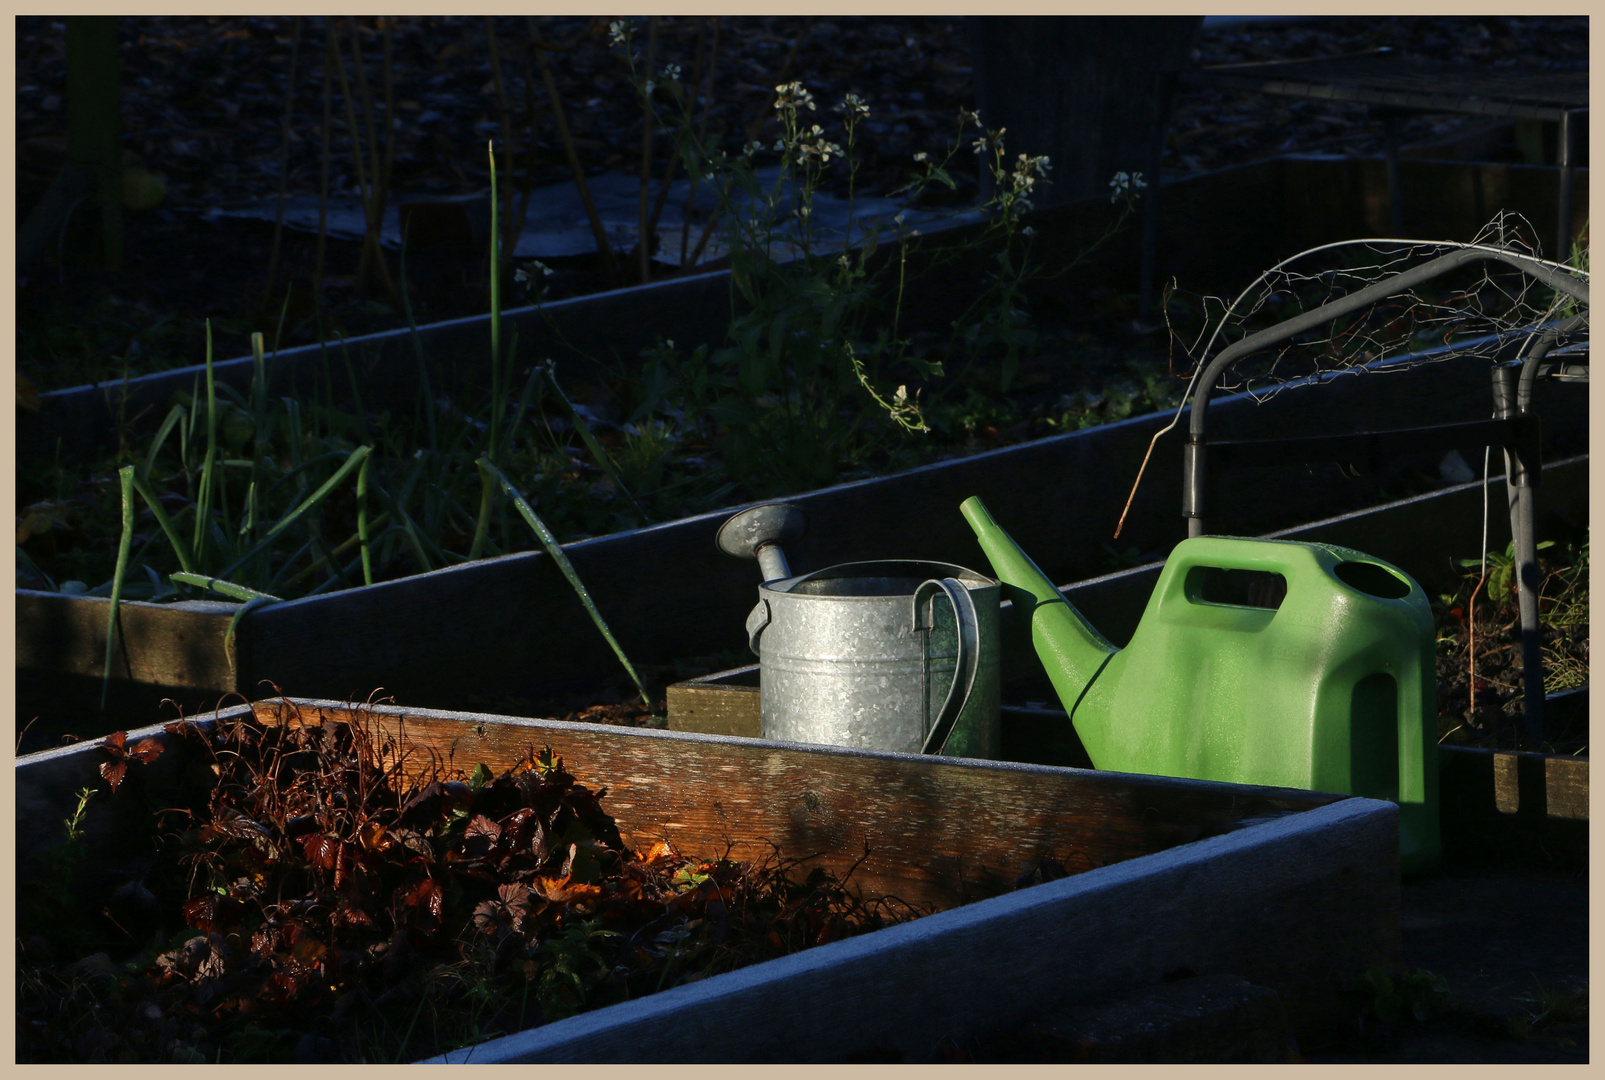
(1293, 890)
(505, 627)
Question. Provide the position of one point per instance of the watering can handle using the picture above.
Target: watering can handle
(965, 665)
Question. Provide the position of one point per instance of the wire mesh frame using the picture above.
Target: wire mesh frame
(1528, 330)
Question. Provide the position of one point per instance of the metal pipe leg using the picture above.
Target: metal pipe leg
(1519, 497)
(1563, 155)
(1532, 659)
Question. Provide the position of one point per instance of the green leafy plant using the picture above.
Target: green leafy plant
(1416, 994)
(1550, 1005)
(261, 495)
(1500, 586)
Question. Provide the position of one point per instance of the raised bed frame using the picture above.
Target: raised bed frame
(1493, 803)
(1292, 890)
(503, 630)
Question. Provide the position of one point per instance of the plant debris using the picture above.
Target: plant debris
(1480, 679)
(339, 894)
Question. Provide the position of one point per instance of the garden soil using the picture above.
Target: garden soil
(203, 102)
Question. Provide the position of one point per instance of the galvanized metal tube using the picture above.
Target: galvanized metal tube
(772, 562)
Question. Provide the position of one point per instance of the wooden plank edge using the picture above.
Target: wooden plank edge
(961, 972)
(1494, 784)
(265, 708)
(534, 724)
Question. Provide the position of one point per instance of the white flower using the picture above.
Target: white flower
(846, 263)
(1123, 183)
(617, 32)
(1028, 231)
(780, 144)
(979, 145)
(968, 116)
(853, 106)
(899, 218)
(649, 87)
(529, 270)
(752, 148)
(671, 72)
(789, 97)
(921, 156)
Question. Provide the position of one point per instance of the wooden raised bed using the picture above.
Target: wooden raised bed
(506, 627)
(1292, 890)
(1493, 803)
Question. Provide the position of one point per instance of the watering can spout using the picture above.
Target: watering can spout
(1072, 652)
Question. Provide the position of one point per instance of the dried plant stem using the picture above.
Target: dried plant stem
(1471, 647)
(705, 77)
(1121, 524)
(643, 243)
(372, 179)
(603, 249)
(497, 390)
(323, 160)
(512, 227)
(284, 160)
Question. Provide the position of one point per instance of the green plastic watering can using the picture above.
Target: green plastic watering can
(1256, 662)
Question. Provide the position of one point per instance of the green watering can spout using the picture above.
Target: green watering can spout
(1072, 652)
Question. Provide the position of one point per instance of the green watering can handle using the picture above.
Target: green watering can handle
(965, 665)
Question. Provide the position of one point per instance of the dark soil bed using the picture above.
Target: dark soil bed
(1480, 702)
(203, 99)
(319, 893)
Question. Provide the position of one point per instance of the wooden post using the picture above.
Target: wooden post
(94, 127)
(1081, 89)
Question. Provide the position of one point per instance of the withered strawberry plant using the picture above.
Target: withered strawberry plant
(325, 893)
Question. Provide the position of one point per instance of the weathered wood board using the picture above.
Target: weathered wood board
(1293, 890)
(1300, 905)
(935, 834)
(1508, 806)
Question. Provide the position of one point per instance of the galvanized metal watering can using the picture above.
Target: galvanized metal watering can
(1258, 662)
(896, 654)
